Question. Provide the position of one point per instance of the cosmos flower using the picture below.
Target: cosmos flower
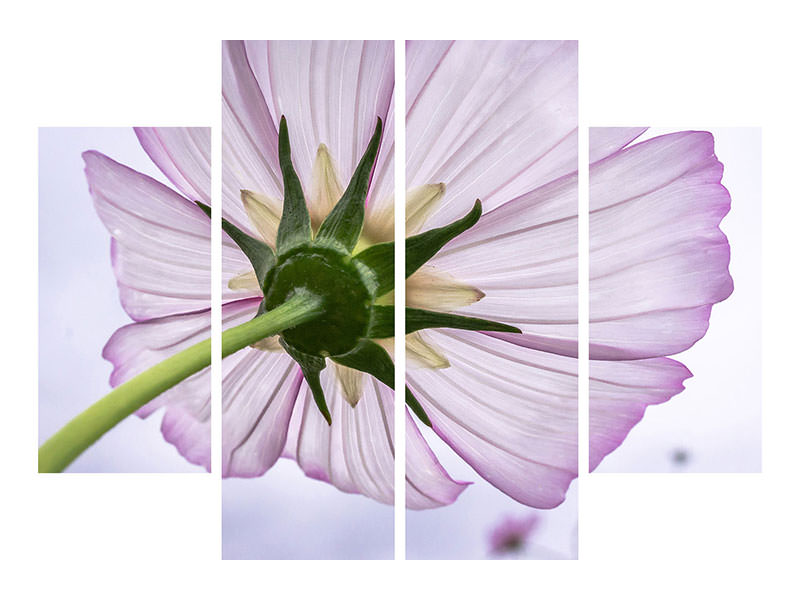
(511, 534)
(495, 121)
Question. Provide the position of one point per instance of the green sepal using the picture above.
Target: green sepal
(257, 252)
(311, 366)
(381, 321)
(422, 247)
(294, 228)
(343, 224)
(417, 319)
(371, 358)
(379, 259)
(416, 408)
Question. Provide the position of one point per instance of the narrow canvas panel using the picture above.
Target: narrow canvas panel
(495, 122)
(126, 254)
(308, 180)
(674, 300)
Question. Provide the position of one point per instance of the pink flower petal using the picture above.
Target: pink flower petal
(259, 390)
(619, 393)
(491, 120)
(523, 255)
(136, 347)
(161, 241)
(250, 137)
(190, 435)
(331, 93)
(428, 485)
(658, 259)
(356, 452)
(605, 141)
(184, 155)
(509, 411)
(380, 199)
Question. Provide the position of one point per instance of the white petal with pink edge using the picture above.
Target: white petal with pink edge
(509, 411)
(250, 137)
(331, 92)
(658, 259)
(619, 393)
(259, 390)
(356, 452)
(428, 485)
(491, 120)
(161, 249)
(184, 155)
(523, 256)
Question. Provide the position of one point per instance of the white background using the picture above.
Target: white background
(129, 536)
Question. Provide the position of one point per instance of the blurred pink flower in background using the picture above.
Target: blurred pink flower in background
(489, 120)
(511, 534)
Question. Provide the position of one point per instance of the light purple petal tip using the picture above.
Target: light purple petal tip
(619, 393)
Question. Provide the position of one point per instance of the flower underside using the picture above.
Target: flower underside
(353, 281)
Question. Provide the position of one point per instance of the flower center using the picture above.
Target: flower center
(331, 275)
(327, 262)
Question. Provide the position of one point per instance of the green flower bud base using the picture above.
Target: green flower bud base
(332, 276)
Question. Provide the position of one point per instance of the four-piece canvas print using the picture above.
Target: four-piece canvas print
(307, 314)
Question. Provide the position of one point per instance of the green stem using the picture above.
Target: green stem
(86, 428)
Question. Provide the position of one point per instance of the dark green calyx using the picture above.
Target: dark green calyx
(346, 300)
(350, 287)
